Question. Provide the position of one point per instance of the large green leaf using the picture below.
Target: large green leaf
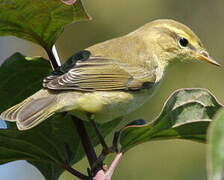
(216, 148)
(186, 115)
(20, 77)
(40, 21)
(51, 146)
(54, 144)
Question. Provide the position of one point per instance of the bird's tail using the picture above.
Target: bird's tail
(32, 110)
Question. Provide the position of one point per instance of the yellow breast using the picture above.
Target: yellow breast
(90, 102)
(110, 105)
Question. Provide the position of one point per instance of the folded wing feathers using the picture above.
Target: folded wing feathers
(90, 75)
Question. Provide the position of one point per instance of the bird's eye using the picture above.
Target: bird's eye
(183, 42)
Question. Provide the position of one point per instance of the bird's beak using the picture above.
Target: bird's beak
(204, 56)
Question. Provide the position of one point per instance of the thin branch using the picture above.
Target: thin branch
(107, 175)
(113, 165)
(54, 58)
(86, 142)
(101, 139)
(54, 51)
(101, 175)
(76, 173)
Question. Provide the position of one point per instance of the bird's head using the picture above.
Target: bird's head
(173, 41)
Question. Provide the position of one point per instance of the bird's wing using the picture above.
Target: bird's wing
(99, 74)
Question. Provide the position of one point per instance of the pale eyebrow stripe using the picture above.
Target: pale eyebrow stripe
(174, 35)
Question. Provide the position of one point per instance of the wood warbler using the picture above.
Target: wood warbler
(112, 78)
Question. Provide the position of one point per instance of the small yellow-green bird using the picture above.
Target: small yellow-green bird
(112, 78)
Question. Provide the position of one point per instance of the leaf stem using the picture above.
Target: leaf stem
(54, 58)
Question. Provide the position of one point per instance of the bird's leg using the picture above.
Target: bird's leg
(106, 149)
(101, 138)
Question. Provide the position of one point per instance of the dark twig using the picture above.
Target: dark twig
(76, 173)
(87, 144)
(53, 56)
(101, 139)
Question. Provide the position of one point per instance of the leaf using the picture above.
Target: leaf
(20, 77)
(186, 115)
(39, 21)
(215, 148)
(54, 144)
(51, 146)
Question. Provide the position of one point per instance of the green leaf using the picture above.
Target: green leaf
(39, 21)
(51, 146)
(215, 148)
(54, 144)
(20, 77)
(186, 115)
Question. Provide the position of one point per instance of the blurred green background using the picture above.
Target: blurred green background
(163, 160)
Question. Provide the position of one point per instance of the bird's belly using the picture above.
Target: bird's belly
(107, 106)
